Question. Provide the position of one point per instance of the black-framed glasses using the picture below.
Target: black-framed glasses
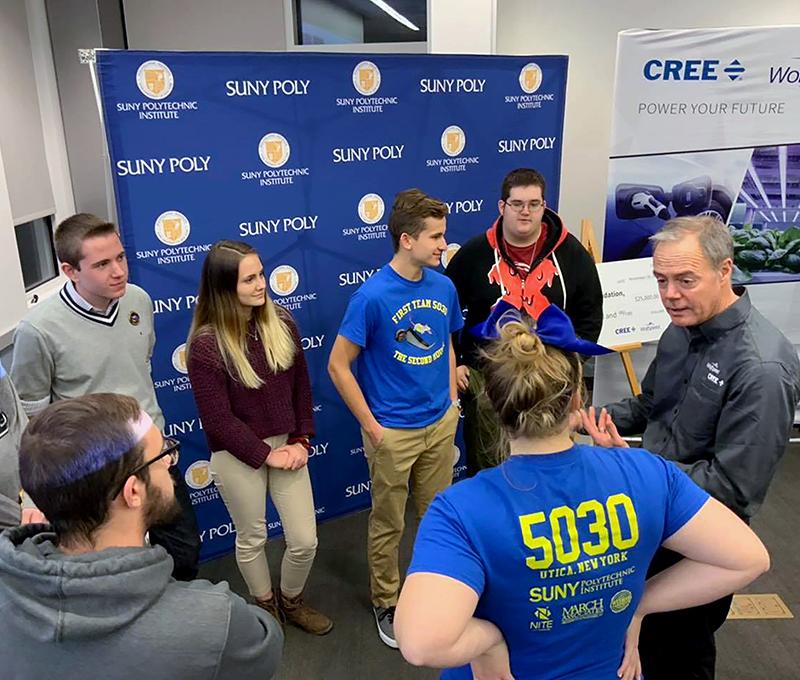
(171, 448)
(517, 206)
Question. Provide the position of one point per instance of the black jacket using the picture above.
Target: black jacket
(719, 400)
(575, 287)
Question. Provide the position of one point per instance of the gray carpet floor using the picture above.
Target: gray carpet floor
(747, 650)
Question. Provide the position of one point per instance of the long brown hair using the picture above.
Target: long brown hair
(219, 312)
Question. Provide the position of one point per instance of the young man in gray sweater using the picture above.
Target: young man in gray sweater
(97, 335)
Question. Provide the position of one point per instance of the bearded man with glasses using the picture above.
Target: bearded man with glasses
(85, 596)
(529, 259)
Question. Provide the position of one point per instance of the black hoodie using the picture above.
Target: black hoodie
(575, 286)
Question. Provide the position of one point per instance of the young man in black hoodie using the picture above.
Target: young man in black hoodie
(528, 258)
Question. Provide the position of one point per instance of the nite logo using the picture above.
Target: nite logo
(690, 69)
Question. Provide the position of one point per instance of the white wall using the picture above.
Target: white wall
(462, 26)
(14, 300)
(236, 25)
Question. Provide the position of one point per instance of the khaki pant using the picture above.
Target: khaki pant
(244, 491)
(425, 457)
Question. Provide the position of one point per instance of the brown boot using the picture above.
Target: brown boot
(304, 617)
(273, 607)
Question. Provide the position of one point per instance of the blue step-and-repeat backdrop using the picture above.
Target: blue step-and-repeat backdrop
(301, 156)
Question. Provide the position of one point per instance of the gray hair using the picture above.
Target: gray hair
(714, 237)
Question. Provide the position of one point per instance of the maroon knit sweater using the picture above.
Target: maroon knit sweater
(236, 418)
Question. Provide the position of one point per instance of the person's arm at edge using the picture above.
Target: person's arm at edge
(302, 397)
(453, 379)
(209, 387)
(757, 416)
(32, 369)
(254, 646)
(343, 354)
(721, 554)
(453, 272)
(441, 636)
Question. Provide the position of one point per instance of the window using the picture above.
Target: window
(37, 255)
(343, 22)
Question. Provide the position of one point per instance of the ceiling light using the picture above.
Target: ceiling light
(392, 12)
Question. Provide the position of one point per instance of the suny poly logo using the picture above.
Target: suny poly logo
(366, 78)
(453, 140)
(283, 280)
(179, 359)
(447, 255)
(172, 228)
(155, 80)
(274, 150)
(198, 475)
(371, 208)
(690, 69)
(530, 78)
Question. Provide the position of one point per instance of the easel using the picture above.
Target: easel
(590, 243)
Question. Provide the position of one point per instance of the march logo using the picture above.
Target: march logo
(530, 78)
(283, 280)
(453, 140)
(366, 78)
(172, 228)
(154, 79)
(447, 255)
(179, 359)
(274, 150)
(621, 601)
(582, 611)
(371, 208)
(198, 475)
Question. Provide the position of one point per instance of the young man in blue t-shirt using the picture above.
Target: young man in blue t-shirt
(398, 327)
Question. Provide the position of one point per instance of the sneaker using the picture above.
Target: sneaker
(384, 618)
(304, 617)
(271, 606)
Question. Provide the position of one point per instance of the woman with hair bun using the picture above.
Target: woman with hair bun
(536, 568)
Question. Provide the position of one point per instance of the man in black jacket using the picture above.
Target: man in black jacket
(718, 400)
(528, 258)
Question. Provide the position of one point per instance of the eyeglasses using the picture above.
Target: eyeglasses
(171, 448)
(517, 206)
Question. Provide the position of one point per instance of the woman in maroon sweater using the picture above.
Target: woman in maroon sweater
(251, 386)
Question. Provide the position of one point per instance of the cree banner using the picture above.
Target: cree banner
(706, 122)
(301, 155)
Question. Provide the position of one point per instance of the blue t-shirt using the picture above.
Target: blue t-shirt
(403, 328)
(557, 548)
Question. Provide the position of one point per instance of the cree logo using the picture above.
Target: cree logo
(734, 70)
